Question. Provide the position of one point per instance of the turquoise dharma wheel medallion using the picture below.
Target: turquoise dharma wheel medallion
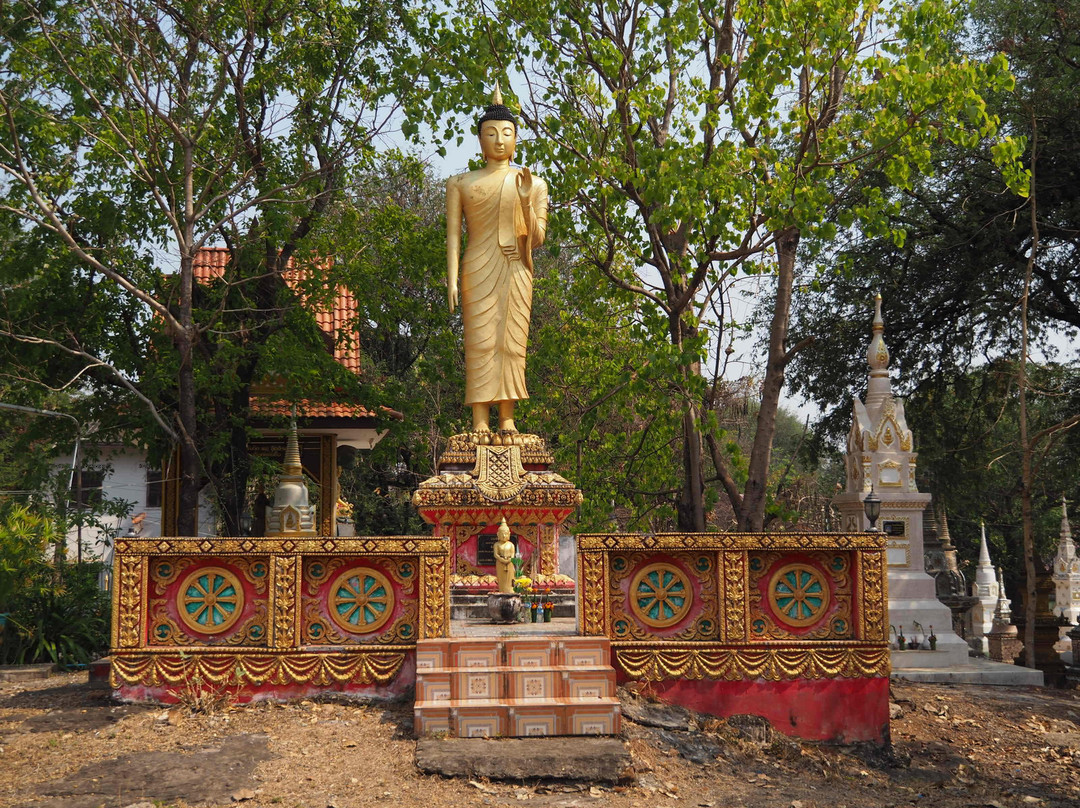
(660, 595)
(361, 600)
(798, 594)
(210, 600)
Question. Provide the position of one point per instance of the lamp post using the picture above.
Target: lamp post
(872, 509)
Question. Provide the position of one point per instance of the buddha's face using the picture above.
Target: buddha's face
(498, 139)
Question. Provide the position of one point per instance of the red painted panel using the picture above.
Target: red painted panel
(839, 710)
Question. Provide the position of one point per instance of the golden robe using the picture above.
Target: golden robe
(496, 282)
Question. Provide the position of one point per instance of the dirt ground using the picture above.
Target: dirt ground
(67, 746)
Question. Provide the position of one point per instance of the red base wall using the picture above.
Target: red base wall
(838, 710)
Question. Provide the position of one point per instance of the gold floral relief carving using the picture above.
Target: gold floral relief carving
(661, 595)
(434, 597)
(164, 631)
(671, 661)
(734, 597)
(549, 550)
(592, 593)
(873, 598)
(129, 600)
(285, 601)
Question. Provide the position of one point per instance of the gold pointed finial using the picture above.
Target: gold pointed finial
(496, 97)
(877, 355)
(293, 466)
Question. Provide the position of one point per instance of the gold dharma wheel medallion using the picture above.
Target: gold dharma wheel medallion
(660, 595)
(799, 595)
(361, 600)
(210, 600)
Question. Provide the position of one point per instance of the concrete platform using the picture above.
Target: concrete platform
(477, 627)
(974, 672)
(26, 673)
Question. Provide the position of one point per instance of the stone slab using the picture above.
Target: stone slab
(974, 672)
(25, 673)
(485, 628)
(592, 760)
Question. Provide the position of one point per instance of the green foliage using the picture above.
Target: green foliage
(951, 290)
(971, 425)
(694, 142)
(62, 617)
(388, 239)
(135, 134)
(54, 613)
(24, 538)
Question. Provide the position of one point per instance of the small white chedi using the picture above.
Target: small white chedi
(1067, 571)
(292, 513)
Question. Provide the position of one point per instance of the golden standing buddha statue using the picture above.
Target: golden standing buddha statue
(504, 552)
(505, 210)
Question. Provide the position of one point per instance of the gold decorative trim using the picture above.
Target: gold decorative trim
(548, 537)
(701, 661)
(873, 586)
(729, 541)
(498, 472)
(286, 572)
(592, 573)
(150, 670)
(461, 449)
(129, 602)
(279, 545)
(736, 615)
(434, 597)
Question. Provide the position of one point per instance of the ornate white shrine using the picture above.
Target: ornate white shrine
(987, 590)
(881, 458)
(1067, 571)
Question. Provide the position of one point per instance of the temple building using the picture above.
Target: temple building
(325, 431)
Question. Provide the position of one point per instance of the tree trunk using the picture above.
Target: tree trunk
(187, 410)
(690, 506)
(751, 514)
(1031, 573)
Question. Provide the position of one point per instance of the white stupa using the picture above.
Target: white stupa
(1067, 571)
(986, 589)
(881, 458)
(292, 513)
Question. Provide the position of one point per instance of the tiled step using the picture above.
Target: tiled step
(474, 718)
(556, 685)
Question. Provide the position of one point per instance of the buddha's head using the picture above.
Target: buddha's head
(497, 129)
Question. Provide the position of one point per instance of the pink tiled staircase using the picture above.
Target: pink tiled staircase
(512, 687)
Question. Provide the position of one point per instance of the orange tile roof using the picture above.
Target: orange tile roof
(335, 322)
(307, 409)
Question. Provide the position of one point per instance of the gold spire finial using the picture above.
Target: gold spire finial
(877, 355)
(496, 97)
(293, 466)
